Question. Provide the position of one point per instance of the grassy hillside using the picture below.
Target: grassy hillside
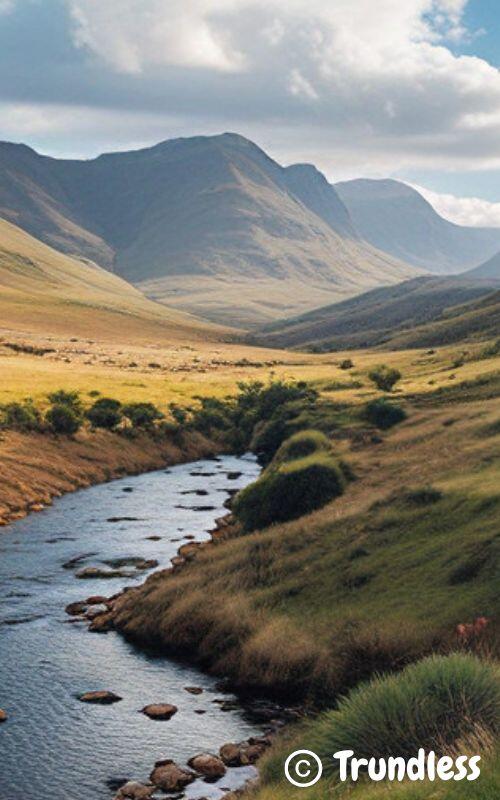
(410, 314)
(377, 578)
(45, 291)
(490, 269)
(211, 225)
(394, 217)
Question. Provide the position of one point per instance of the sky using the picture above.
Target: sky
(408, 89)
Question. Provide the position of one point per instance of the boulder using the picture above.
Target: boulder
(102, 698)
(169, 777)
(211, 767)
(76, 609)
(96, 611)
(89, 573)
(159, 710)
(230, 754)
(133, 790)
(3, 715)
(96, 600)
(193, 689)
(102, 623)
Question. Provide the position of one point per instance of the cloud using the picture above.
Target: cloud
(6, 6)
(376, 78)
(463, 210)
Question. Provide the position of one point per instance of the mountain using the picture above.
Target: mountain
(210, 225)
(398, 315)
(490, 269)
(397, 219)
(45, 291)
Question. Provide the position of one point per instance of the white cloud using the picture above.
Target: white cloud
(463, 210)
(385, 86)
(6, 6)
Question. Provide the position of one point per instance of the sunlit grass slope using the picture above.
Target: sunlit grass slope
(42, 290)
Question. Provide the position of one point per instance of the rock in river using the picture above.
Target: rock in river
(170, 777)
(193, 689)
(133, 790)
(211, 767)
(101, 698)
(159, 710)
(3, 715)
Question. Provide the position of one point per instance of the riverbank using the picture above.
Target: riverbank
(35, 468)
(371, 582)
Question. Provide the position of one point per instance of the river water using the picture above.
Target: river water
(52, 745)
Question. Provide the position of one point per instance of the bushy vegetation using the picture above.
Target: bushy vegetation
(384, 414)
(301, 445)
(63, 419)
(69, 399)
(142, 415)
(24, 417)
(105, 413)
(435, 704)
(385, 378)
(304, 476)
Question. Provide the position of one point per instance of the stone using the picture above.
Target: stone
(76, 609)
(96, 600)
(96, 611)
(3, 716)
(211, 767)
(133, 790)
(170, 777)
(230, 754)
(193, 689)
(89, 573)
(102, 623)
(160, 711)
(103, 698)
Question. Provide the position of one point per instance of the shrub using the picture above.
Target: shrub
(347, 363)
(21, 417)
(62, 418)
(301, 445)
(289, 491)
(105, 413)
(179, 414)
(384, 378)
(383, 413)
(68, 399)
(142, 415)
(437, 704)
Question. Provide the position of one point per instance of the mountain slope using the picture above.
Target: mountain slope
(43, 290)
(396, 218)
(208, 224)
(388, 315)
(490, 269)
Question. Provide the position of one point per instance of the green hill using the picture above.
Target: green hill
(426, 309)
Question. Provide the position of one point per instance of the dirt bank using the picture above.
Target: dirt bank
(35, 468)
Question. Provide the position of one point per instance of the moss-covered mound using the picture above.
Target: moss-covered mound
(302, 445)
(303, 476)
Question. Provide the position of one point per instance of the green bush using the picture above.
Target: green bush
(301, 445)
(383, 413)
(347, 363)
(68, 399)
(105, 413)
(384, 378)
(289, 491)
(142, 415)
(435, 704)
(21, 417)
(62, 418)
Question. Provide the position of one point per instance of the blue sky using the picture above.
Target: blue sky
(403, 88)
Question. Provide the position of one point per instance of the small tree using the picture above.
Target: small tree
(62, 418)
(384, 377)
(105, 413)
(384, 414)
(142, 415)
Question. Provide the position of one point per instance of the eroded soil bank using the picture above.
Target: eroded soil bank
(35, 468)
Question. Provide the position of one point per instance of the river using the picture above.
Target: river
(53, 746)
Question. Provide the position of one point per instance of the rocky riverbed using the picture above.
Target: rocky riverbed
(81, 552)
